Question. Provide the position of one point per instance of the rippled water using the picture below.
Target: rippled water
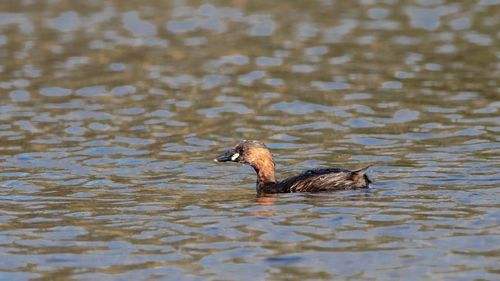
(112, 111)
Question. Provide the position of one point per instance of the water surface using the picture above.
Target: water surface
(111, 114)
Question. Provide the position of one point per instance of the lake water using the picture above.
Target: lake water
(112, 111)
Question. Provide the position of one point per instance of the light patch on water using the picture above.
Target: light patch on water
(261, 25)
(55, 92)
(429, 18)
(326, 86)
(138, 27)
(66, 22)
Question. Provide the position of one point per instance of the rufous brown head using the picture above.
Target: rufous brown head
(247, 152)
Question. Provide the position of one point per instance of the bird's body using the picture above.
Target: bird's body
(257, 155)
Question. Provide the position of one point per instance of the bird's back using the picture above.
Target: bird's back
(329, 179)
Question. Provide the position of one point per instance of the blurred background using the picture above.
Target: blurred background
(112, 111)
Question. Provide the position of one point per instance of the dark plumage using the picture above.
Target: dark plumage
(257, 155)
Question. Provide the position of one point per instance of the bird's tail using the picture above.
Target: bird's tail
(361, 174)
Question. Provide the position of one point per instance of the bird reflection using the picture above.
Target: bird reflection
(265, 201)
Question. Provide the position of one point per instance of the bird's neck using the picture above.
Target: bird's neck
(265, 171)
(266, 180)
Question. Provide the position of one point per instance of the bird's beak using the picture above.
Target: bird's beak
(228, 156)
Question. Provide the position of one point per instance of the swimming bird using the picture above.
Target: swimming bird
(257, 155)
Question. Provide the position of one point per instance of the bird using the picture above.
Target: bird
(259, 157)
